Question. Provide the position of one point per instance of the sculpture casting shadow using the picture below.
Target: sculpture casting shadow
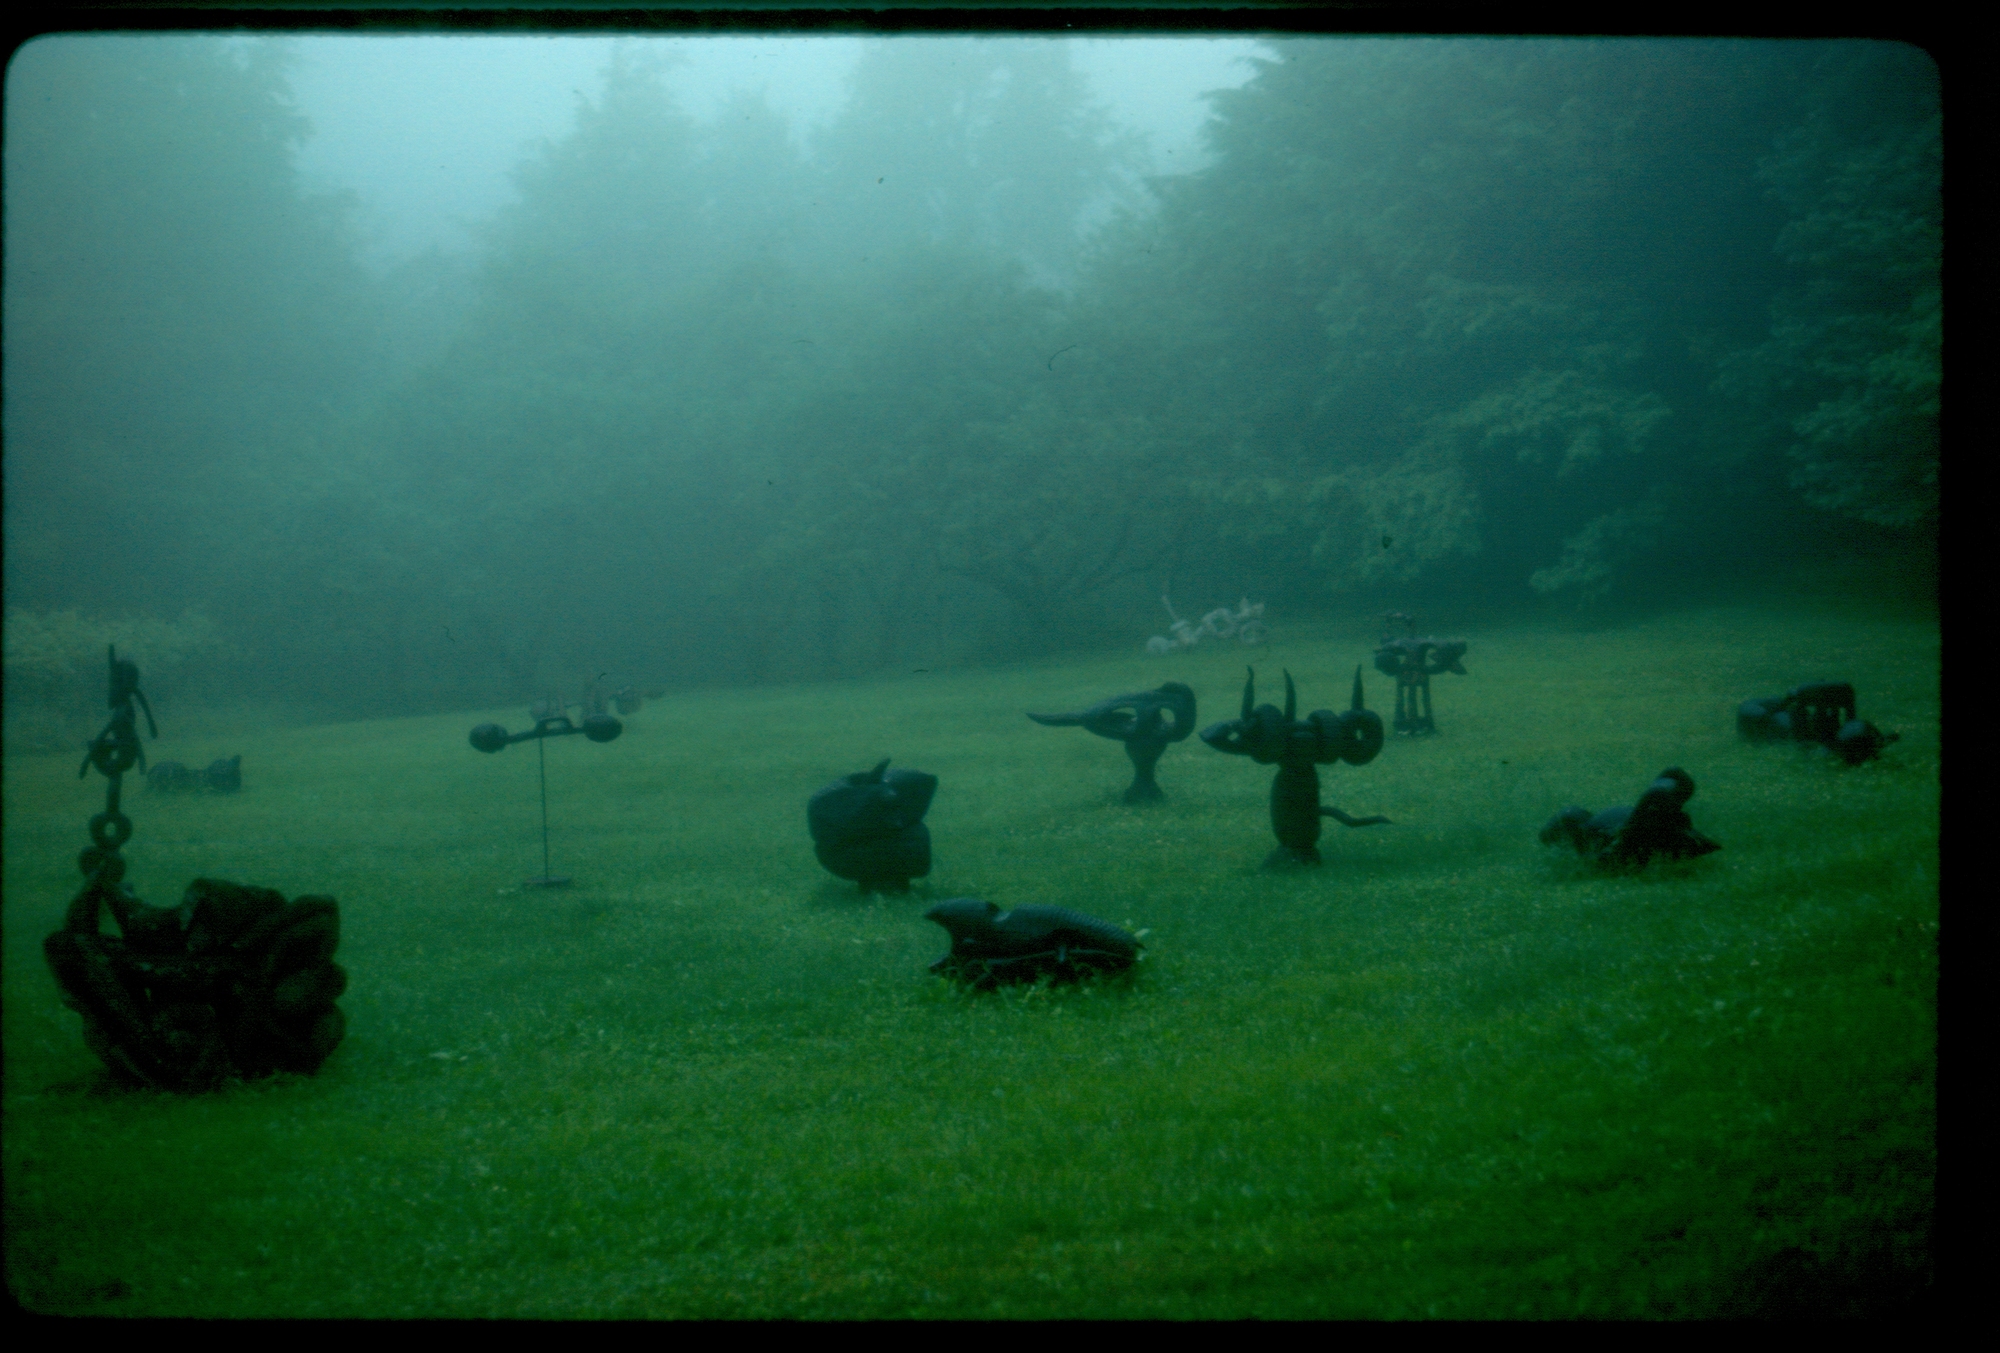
(1147, 722)
(1627, 837)
(1297, 748)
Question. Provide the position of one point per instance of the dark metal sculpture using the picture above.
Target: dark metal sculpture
(869, 827)
(1413, 662)
(1298, 747)
(1820, 712)
(1627, 837)
(1147, 722)
(223, 776)
(235, 982)
(491, 737)
(990, 946)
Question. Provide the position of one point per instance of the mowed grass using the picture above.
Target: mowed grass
(1448, 1074)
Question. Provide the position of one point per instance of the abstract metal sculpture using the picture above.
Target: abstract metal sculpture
(1627, 837)
(1820, 712)
(1146, 722)
(869, 827)
(989, 946)
(1298, 748)
(1413, 662)
(491, 737)
(235, 982)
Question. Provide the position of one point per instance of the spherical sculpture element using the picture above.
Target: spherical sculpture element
(489, 737)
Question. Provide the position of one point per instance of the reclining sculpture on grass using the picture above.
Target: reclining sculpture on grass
(235, 982)
(1413, 662)
(1627, 837)
(990, 946)
(224, 775)
(1819, 712)
(1297, 748)
(869, 827)
(1146, 722)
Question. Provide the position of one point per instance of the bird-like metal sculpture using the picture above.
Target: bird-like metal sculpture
(1147, 722)
(990, 946)
(1626, 837)
(1298, 747)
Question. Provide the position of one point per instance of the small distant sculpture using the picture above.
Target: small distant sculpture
(869, 827)
(626, 700)
(1245, 625)
(224, 775)
(989, 946)
(1146, 722)
(1298, 748)
(1627, 837)
(1820, 712)
(1413, 662)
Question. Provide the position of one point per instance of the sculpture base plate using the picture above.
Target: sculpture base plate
(1284, 857)
(547, 881)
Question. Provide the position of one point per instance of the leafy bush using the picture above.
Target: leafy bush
(55, 667)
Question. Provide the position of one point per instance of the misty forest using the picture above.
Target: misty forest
(1622, 359)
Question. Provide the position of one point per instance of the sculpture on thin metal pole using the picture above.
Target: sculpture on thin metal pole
(491, 737)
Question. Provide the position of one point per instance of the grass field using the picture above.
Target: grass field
(1449, 1073)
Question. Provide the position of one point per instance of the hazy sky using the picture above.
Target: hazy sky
(425, 129)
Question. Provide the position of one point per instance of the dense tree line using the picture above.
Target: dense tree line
(1507, 318)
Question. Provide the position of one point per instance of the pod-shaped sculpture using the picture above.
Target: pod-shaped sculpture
(989, 946)
(1627, 837)
(869, 827)
(1270, 736)
(1146, 722)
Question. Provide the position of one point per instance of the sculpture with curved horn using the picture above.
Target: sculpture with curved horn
(1146, 722)
(1298, 748)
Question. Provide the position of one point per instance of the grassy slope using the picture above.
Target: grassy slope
(1449, 1073)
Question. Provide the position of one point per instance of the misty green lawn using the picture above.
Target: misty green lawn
(1449, 1073)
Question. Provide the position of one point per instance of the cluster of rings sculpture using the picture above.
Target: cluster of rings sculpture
(233, 983)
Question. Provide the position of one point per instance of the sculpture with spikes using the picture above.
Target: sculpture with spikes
(1298, 748)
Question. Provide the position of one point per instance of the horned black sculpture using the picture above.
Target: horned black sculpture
(1820, 712)
(235, 982)
(1627, 837)
(1146, 722)
(869, 827)
(989, 946)
(1413, 662)
(1298, 748)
